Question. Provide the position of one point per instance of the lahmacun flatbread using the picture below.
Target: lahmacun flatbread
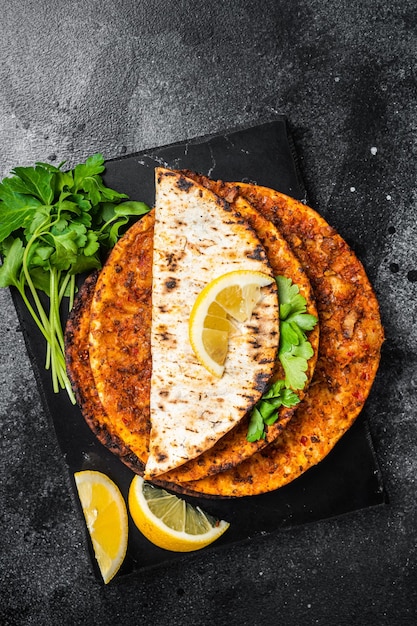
(351, 336)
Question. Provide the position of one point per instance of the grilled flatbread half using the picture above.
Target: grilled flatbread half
(197, 238)
(351, 336)
(234, 447)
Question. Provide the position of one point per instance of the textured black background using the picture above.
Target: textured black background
(119, 77)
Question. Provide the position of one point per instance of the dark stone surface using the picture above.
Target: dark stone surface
(118, 77)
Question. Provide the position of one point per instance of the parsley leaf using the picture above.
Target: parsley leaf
(293, 352)
(55, 224)
(256, 429)
(20, 209)
(265, 411)
(294, 348)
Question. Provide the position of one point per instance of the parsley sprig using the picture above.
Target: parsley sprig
(293, 352)
(55, 224)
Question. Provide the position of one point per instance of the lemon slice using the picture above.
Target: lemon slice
(106, 517)
(232, 296)
(170, 522)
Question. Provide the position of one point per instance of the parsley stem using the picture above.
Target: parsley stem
(50, 326)
(72, 292)
(21, 288)
(53, 327)
(43, 318)
(55, 306)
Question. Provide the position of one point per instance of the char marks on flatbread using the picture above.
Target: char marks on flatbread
(197, 238)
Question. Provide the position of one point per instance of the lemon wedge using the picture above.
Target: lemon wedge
(170, 522)
(106, 517)
(230, 297)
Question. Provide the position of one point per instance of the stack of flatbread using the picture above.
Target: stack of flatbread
(137, 380)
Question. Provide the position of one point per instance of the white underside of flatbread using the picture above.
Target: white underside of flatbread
(198, 238)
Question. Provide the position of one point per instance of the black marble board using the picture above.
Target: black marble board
(347, 480)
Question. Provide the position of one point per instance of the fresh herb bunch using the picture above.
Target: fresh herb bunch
(55, 224)
(293, 352)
